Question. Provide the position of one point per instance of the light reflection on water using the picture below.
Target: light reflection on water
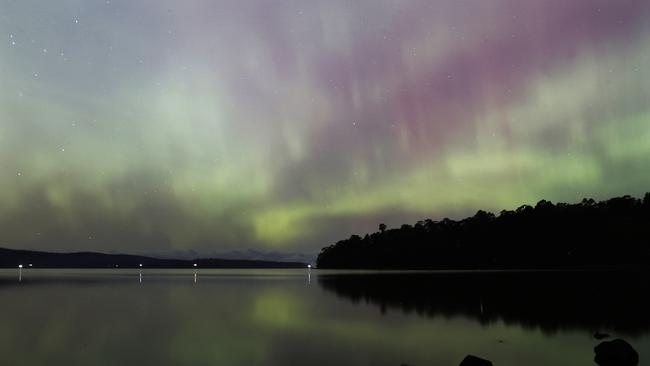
(311, 317)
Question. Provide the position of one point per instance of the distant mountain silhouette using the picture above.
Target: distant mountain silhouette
(615, 232)
(548, 300)
(239, 254)
(12, 258)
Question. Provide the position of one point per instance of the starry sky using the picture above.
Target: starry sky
(285, 125)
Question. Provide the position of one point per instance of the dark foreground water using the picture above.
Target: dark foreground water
(296, 317)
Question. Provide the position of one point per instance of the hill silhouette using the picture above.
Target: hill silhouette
(10, 258)
(615, 232)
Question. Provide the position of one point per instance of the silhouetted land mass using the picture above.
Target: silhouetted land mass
(549, 300)
(12, 258)
(615, 232)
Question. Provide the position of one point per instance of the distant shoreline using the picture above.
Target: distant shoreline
(12, 258)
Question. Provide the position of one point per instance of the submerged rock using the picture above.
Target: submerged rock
(601, 335)
(475, 361)
(616, 353)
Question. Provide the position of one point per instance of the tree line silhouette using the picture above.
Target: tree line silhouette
(615, 232)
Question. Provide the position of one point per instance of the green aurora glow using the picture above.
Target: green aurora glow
(286, 125)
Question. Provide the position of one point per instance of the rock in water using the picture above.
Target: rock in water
(616, 353)
(601, 335)
(475, 361)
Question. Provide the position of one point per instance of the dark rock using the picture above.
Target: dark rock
(601, 335)
(475, 361)
(616, 353)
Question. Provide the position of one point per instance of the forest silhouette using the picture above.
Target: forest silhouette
(588, 234)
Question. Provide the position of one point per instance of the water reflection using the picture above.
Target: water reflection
(275, 317)
(552, 301)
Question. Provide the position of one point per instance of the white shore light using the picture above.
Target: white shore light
(20, 266)
(195, 265)
(309, 266)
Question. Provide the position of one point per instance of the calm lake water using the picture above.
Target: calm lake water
(300, 317)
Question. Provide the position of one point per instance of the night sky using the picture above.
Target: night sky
(206, 125)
